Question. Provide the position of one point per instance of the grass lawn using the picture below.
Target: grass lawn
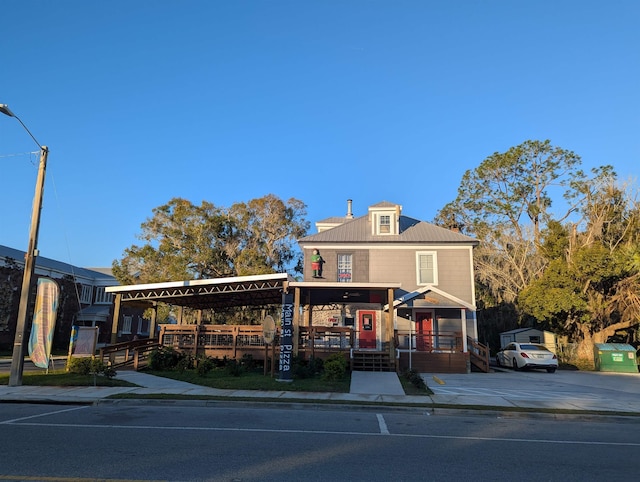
(254, 380)
(60, 378)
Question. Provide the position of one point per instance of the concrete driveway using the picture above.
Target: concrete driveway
(573, 390)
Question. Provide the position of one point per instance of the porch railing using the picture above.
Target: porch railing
(429, 341)
(129, 353)
(479, 355)
(230, 340)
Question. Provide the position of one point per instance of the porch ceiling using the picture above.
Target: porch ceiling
(321, 293)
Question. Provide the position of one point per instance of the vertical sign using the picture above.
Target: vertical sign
(44, 322)
(286, 339)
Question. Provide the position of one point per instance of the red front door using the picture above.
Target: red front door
(367, 329)
(424, 331)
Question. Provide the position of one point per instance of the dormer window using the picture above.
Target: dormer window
(384, 219)
(385, 224)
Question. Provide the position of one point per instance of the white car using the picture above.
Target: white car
(527, 355)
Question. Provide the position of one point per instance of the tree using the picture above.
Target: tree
(268, 229)
(506, 202)
(184, 241)
(591, 287)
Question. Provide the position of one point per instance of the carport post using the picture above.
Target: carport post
(116, 319)
(154, 319)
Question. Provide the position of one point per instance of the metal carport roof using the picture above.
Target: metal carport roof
(217, 294)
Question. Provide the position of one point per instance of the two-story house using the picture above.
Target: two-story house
(406, 287)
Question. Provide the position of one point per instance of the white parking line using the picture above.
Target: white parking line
(42, 415)
(382, 424)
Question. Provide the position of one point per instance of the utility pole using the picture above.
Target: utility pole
(17, 360)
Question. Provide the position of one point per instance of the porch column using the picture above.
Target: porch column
(180, 313)
(116, 319)
(463, 317)
(475, 325)
(154, 319)
(389, 324)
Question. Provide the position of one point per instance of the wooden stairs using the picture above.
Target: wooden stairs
(372, 361)
(478, 356)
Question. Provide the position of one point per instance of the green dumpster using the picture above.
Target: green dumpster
(615, 357)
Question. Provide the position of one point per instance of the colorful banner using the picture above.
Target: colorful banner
(44, 322)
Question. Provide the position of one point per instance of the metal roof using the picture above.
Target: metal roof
(358, 230)
(44, 265)
(217, 294)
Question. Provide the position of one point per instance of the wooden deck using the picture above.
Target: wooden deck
(430, 352)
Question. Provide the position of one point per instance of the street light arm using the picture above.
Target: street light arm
(4, 108)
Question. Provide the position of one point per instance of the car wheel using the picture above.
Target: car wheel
(551, 370)
(515, 364)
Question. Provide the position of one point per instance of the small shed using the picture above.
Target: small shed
(529, 335)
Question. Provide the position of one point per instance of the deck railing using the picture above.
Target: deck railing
(129, 353)
(479, 355)
(229, 340)
(429, 341)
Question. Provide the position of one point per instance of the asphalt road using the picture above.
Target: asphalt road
(182, 441)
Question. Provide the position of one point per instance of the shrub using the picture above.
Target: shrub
(416, 380)
(335, 367)
(302, 368)
(165, 358)
(90, 366)
(205, 365)
(234, 368)
(247, 362)
(186, 362)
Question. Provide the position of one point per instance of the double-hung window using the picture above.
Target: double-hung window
(102, 297)
(345, 268)
(385, 224)
(427, 267)
(126, 324)
(85, 294)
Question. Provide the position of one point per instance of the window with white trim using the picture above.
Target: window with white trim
(102, 297)
(85, 294)
(427, 267)
(143, 325)
(385, 224)
(126, 324)
(345, 268)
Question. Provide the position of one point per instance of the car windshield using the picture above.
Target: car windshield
(533, 347)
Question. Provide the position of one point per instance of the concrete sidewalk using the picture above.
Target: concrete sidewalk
(366, 387)
(600, 392)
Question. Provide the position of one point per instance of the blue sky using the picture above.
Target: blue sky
(324, 101)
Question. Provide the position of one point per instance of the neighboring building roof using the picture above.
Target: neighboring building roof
(521, 330)
(93, 313)
(46, 264)
(358, 230)
(107, 271)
